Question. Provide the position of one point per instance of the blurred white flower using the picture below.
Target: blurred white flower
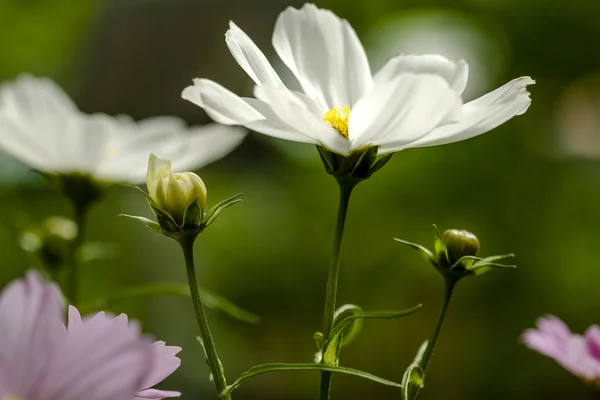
(42, 127)
(413, 101)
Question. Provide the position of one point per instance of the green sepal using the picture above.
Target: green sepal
(153, 225)
(441, 251)
(354, 168)
(424, 250)
(414, 376)
(327, 159)
(477, 266)
(380, 163)
(214, 212)
(192, 217)
(275, 367)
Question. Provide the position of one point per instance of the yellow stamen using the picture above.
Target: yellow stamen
(338, 119)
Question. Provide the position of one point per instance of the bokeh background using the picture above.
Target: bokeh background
(531, 187)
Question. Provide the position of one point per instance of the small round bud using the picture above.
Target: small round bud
(174, 192)
(51, 241)
(460, 243)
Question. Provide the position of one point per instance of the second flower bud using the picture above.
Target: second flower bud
(176, 194)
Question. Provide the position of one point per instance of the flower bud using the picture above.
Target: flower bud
(174, 193)
(51, 241)
(460, 243)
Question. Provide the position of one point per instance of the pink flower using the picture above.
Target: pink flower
(99, 357)
(578, 354)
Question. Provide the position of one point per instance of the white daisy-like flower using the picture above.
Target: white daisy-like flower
(413, 101)
(42, 127)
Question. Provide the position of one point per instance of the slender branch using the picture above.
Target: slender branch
(426, 360)
(187, 245)
(332, 280)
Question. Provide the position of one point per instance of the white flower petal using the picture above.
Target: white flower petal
(402, 110)
(324, 54)
(274, 126)
(228, 108)
(455, 72)
(16, 141)
(300, 110)
(222, 105)
(250, 58)
(158, 168)
(483, 114)
(34, 112)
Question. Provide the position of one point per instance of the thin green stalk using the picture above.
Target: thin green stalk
(332, 280)
(187, 245)
(72, 285)
(426, 360)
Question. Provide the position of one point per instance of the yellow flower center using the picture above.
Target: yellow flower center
(338, 119)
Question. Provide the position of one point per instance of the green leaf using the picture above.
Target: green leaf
(425, 251)
(214, 212)
(332, 351)
(350, 333)
(210, 300)
(412, 382)
(414, 376)
(266, 368)
(153, 225)
(339, 328)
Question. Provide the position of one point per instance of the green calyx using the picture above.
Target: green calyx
(455, 255)
(192, 223)
(356, 167)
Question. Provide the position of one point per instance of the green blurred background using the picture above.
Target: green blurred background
(531, 186)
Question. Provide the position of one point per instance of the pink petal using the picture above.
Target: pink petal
(550, 338)
(165, 363)
(31, 327)
(578, 360)
(74, 319)
(104, 358)
(592, 337)
(155, 394)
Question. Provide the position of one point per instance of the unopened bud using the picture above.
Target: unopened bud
(51, 241)
(460, 243)
(174, 193)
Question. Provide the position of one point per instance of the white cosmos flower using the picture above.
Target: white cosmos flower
(413, 101)
(42, 127)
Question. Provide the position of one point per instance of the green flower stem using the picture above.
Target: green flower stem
(72, 284)
(426, 360)
(187, 245)
(332, 279)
